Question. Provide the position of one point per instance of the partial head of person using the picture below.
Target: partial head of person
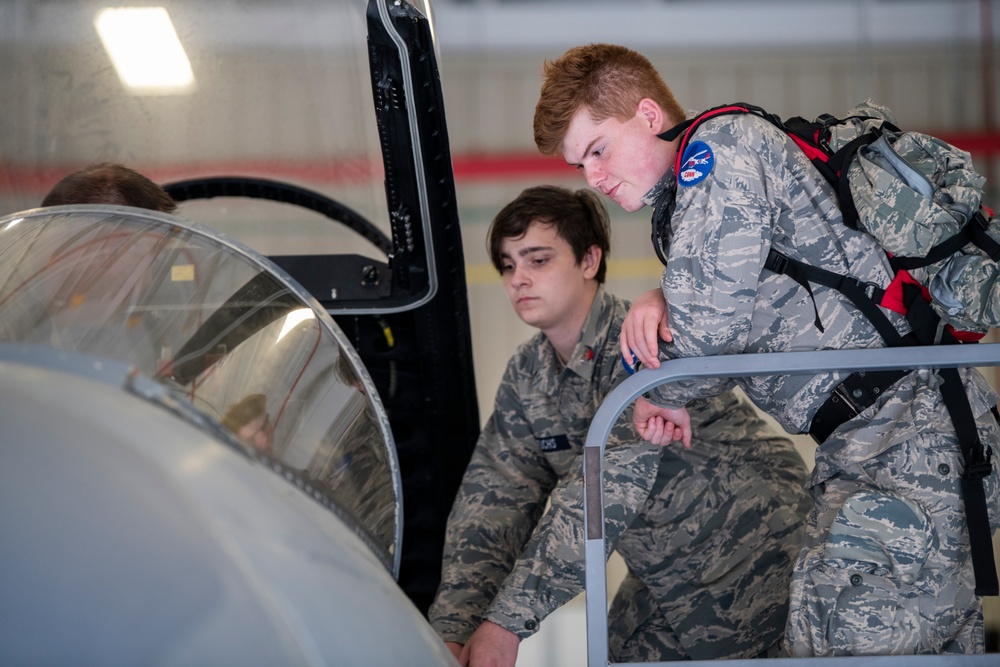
(342, 367)
(550, 246)
(110, 183)
(249, 421)
(601, 108)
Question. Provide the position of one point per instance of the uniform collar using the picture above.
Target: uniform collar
(593, 336)
(666, 182)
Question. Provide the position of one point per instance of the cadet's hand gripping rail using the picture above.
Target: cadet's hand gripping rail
(741, 365)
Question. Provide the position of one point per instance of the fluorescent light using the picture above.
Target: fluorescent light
(145, 50)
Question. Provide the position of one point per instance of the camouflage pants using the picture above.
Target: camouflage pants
(712, 550)
(639, 632)
(886, 566)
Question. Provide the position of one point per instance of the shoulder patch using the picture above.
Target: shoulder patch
(696, 163)
(553, 443)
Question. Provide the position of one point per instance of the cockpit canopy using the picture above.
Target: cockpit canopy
(220, 326)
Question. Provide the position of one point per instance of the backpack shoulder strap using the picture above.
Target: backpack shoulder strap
(688, 127)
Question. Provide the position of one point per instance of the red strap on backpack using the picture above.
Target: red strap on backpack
(893, 300)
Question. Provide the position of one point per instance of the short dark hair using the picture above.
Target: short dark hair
(110, 183)
(579, 218)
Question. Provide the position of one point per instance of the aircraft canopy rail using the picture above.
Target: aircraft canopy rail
(742, 365)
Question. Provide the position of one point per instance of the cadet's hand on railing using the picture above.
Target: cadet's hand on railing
(661, 426)
(643, 327)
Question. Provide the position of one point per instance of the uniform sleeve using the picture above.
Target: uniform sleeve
(721, 237)
(499, 502)
(550, 571)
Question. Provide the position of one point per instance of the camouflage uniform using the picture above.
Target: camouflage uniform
(885, 567)
(709, 534)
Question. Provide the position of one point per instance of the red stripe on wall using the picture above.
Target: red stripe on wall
(469, 167)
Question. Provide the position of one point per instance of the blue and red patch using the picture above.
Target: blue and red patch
(696, 163)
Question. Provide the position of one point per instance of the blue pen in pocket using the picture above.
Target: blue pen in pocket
(634, 366)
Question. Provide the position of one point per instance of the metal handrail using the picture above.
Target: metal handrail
(733, 366)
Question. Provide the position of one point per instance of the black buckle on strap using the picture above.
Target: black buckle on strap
(981, 220)
(850, 404)
(776, 262)
(870, 289)
(861, 389)
(837, 409)
(852, 396)
(981, 464)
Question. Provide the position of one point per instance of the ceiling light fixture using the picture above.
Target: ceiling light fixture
(145, 50)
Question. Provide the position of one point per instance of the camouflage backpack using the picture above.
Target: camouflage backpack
(922, 199)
